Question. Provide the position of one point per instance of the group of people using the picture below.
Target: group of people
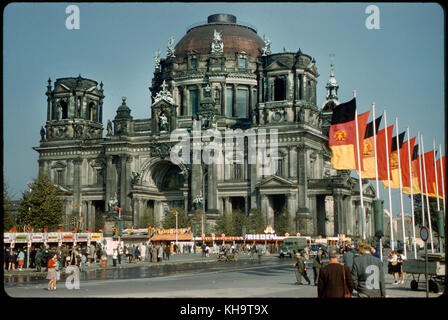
(345, 272)
(395, 265)
(39, 257)
(136, 253)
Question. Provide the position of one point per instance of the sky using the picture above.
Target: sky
(399, 66)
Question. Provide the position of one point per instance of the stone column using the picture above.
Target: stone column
(158, 212)
(251, 102)
(265, 207)
(184, 101)
(223, 98)
(228, 205)
(234, 88)
(110, 186)
(212, 187)
(291, 208)
(77, 182)
(338, 212)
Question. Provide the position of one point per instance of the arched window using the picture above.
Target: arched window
(279, 89)
(91, 115)
(64, 109)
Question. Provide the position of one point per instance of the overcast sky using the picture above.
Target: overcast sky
(400, 66)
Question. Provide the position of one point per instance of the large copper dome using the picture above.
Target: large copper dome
(235, 37)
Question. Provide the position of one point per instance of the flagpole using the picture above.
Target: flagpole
(401, 189)
(427, 197)
(443, 186)
(388, 181)
(360, 174)
(443, 178)
(437, 184)
(412, 197)
(435, 167)
(420, 166)
(376, 172)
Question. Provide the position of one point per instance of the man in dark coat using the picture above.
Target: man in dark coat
(332, 278)
(301, 269)
(317, 265)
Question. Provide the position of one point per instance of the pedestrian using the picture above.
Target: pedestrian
(58, 272)
(300, 268)
(259, 250)
(167, 252)
(7, 255)
(142, 251)
(119, 253)
(154, 253)
(51, 273)
(393, 267)
(11, 264)
(133, 252)
(367, 273)
(348, 257)
(335, 280)
(38, 259)
(400, 258)
(83, 263)
(159, 253)
(20, 259)
(115, 257)
(203, 249)
(317, 265)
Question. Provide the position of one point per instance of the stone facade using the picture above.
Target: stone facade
(236, 83)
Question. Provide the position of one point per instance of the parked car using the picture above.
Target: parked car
(315, 247)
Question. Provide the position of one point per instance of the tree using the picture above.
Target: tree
(41, 206)
(169, 221)
(8, 217)
(239, 219)
(418, 211)
(281, 225)
(255, 222)
(224, 224)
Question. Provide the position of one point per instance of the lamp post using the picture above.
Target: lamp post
(203, 200)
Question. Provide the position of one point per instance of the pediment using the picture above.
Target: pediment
(61, 88)
(59, 165)
(277, 65)
(275, 181)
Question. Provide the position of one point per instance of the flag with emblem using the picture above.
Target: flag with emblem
(368, 150)
(428, 162)
(415, 169)
(393, 162)
(404, 161)
(342, 136)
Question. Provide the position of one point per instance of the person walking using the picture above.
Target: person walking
(301, 269)
(159, 253)
(20, 259)
(115, 257)
(367, 273)
(119, 253)
(393, 266)
(83, 263)
(92, 254)
(400, 258)
(348, 258)
(154, 253)
(335, 279)
(51, 273)
(317, 265)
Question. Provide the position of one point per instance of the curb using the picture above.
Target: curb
(147, 265)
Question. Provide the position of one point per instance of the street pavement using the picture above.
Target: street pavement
(189, 276)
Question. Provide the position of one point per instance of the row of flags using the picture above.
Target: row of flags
(344, 140)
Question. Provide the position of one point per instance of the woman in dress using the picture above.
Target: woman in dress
(51, 274)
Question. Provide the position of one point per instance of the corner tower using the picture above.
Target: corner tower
(74, 109)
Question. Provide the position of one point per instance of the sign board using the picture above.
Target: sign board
(7, 238)
(68, 237)
(424, 233)
(21, 237)
(53, 237)
(82, 237)
(37, 237)
(95, 236)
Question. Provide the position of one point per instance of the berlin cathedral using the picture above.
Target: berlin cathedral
(223, 74)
